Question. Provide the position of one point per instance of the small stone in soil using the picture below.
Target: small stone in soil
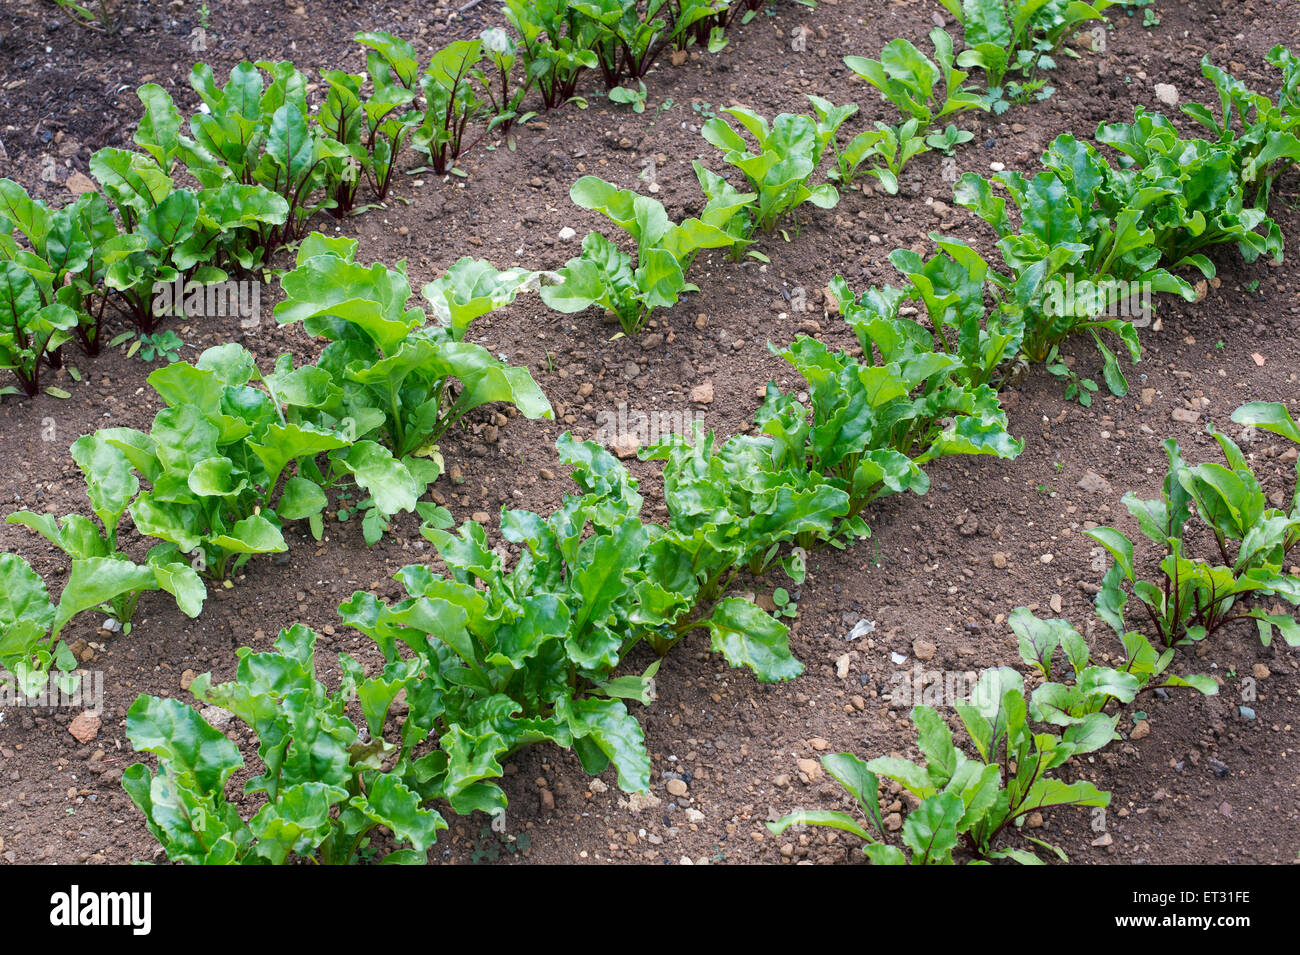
(84, 727)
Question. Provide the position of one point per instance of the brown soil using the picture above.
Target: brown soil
(1205, 786)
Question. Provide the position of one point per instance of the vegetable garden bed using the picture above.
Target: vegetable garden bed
(929, 595)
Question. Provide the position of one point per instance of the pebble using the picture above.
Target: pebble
(1094, 483)
(1185, 415)
(566, 234)
(1166, 93)
(676, 787)
(924, 649)
(625, 445)
(79, 184)
(84, 727)
(1260, 671)
(637, 802)
(842, 666)
(1000, 560)
(215, 716)
(703, 394)
(1141, 730)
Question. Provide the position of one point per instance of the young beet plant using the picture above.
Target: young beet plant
(399, 382)
(1081, 242)
(700, 22)
(973, 805)
(172, 236)
(102, 575)
(31, 623)
(873, 424)
(1020, 36)
(911, 81)
(525, 655)
(451, 103)
(505, 94)
(789, 151)
(553, 50)
(31, 332)
(972, 316)
(384, 121)
(327, 784)
(262, 134)
(1263, 136)
(1193, 598)
(732, 508)
(372, 130)
(215, 459)
(970, 803)
(626, 35)
(44, 287)
(1204, 201)
(632, 287)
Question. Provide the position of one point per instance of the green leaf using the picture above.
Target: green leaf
(26, 611)
(110, 482)
(1269, 415)
(930, 830)
(183, 582)
(186, 746)
(300, 499)
(817, 817)
(97, 580)
(748, 637)
(934, 739)
(390, 803)
(252, 535)
(377, 472)
(860, 783)
(609, 734)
